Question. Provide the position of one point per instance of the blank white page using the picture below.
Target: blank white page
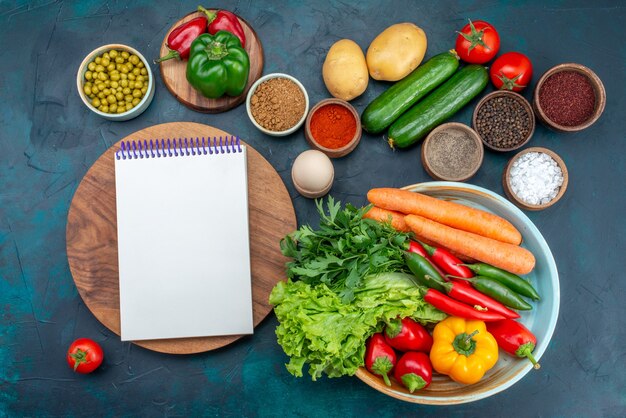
(183, 246)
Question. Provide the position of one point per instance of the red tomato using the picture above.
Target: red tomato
(478, 42)
(511, 71)
(414, 371)
(84, 355)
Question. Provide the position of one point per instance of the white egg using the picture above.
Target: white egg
(312, 173)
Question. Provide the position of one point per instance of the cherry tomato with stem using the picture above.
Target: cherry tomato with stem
(511, 71)
(84, 355)
(478, 42)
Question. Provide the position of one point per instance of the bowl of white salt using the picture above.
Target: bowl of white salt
(535, 179)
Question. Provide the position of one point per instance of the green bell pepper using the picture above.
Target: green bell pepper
(218, 65)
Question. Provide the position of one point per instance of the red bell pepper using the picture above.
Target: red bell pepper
(414, 371)
(407, 335)
(456, 308)
(448, 262)
(514, 338)
(180, 39)
(380, 357)
(224, 20)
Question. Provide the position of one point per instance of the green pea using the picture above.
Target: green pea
(113, 53)
(115, 76)
(131, 84)
(104, 108)
(114, 84)
(99, 68)
(130, 105)
(136, 71)
(123, 69)
(113, 108)
(87, 90)
(128, 98)
(88, 75)
(105, 61)
(95, 89)
(124, 76)
(124, 83)
(106, 55)
(121, 109)
(106, 91)
(110, 68)
(134, 59)
(136, 93)
(96, 102)
(138, 84)
(136, 101)
(139, 78)
(92, 96)
(111, 99)
(125, 55)
(91, 66)
(98, 60)
(126, 90)
(119, 60)
(102, 76)
(141, 65)
(119, 96)
(101, 96)
(144, 89)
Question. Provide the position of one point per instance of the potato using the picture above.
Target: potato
(396, 52)
(345, 71)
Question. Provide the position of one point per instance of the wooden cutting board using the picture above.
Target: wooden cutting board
(91, 236)
(173, 73)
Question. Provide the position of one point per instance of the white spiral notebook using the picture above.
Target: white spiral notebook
(183, 244)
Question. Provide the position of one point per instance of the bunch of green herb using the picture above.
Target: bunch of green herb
(344, 249)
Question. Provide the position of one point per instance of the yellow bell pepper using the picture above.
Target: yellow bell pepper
(463, 350)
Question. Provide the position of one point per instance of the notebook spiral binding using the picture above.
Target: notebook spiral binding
(154, 148)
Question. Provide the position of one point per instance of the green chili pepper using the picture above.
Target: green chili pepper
(499, 292)
(218, 65)
(425, 272)
(510, 280)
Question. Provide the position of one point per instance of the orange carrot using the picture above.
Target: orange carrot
(384, 215)
(448, 213)
(508, 257)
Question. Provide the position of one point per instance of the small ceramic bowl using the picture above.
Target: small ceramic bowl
(506, 180)
(129, 114)
(333, 152)
(267, 131)
(598, 89)
(439, 162)
(522, 101)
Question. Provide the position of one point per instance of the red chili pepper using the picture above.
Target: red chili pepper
(448, 262)
(407, 335)
(180, 39)
(456, 308)
(464, 292)
(416, 247)
(224, 20)
(514, 338)
(414, 371)
(380, 357)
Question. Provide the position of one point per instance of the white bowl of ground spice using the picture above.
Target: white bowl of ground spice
(277, 104)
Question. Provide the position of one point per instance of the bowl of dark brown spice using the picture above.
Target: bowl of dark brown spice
(277, 104)
(452, 152)
(569, 97)
(504, 120)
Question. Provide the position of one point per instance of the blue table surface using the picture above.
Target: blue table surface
(49, 140)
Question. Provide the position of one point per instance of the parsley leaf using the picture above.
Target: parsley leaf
(344, 249)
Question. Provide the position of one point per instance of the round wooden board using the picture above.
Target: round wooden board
(92, 237)
(173, 73)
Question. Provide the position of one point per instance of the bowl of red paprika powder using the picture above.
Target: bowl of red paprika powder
(569, 97)
(333, 126)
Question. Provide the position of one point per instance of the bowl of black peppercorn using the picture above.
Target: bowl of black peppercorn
(504, 120)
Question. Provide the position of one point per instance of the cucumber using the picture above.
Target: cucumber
(438, 106)
(387, 107)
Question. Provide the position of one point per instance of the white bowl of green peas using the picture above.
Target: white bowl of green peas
(115, 82)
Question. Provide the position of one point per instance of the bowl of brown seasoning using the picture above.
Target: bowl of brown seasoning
(277, 104)
(504, 120)
(569, 97)
(452, 152)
